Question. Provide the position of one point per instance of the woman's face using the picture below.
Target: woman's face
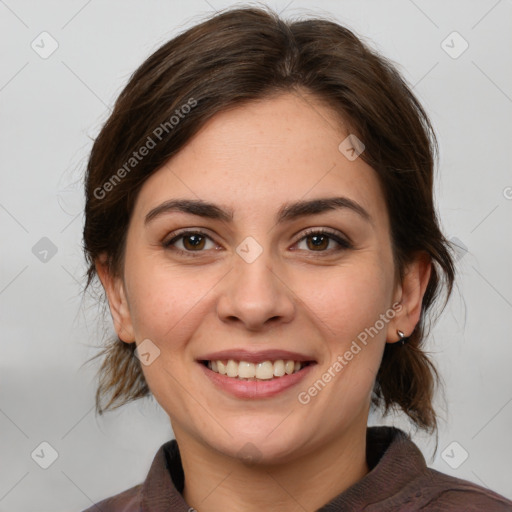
(256, 287)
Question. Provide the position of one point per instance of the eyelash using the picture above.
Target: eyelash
(343, 243)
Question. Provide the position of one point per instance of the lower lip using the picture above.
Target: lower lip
(256, 388)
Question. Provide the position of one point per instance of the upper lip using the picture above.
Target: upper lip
(255, 357)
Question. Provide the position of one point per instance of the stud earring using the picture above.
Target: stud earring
(402, 337)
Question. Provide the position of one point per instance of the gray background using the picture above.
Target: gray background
(52, 108)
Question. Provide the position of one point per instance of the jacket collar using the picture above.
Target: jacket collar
(393, 459)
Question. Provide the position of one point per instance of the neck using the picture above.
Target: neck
(216, 483)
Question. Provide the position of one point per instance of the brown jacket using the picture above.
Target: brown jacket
(399, 480)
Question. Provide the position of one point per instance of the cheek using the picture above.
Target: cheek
(348, 300)
(167, 305)
(166, 301)
(349, 306)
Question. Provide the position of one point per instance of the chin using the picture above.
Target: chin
(261, 444)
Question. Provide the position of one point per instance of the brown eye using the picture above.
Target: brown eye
(315, 242)
(193, 242)
(320, 241)
(189, 242)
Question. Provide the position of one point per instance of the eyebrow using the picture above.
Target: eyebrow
(287, 212)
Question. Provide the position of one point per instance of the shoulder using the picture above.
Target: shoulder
(401, 480)
(126, 501)
(158, 487)
(441, 492)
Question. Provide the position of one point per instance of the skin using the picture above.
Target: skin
(294, 296)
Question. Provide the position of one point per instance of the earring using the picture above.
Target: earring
(402, 337)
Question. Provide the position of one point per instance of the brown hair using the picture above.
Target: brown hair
(244, 54)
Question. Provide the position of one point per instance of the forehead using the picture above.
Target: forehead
(257, 156)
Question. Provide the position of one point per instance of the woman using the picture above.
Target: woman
(260, 214)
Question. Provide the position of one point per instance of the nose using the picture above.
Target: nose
(255, 296)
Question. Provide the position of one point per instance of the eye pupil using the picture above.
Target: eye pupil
(193, 241)
(318, 241)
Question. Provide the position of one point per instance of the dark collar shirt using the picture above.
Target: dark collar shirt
(398, 480)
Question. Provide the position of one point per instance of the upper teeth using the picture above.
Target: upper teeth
(265, 370)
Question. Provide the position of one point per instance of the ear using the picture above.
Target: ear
(409, 294)
(114, 288)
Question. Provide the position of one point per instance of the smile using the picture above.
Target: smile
(249, 371)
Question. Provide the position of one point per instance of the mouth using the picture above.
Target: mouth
(259, 371)
(252, 375)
